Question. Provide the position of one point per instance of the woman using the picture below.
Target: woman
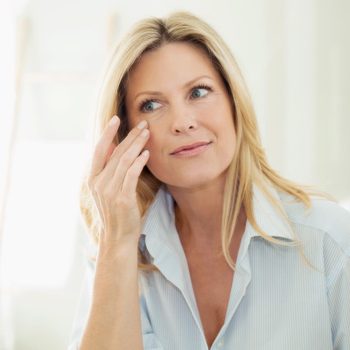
(200, 244)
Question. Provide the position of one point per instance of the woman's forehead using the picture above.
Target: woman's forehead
(173, 64)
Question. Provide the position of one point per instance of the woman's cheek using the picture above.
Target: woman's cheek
(153, 149)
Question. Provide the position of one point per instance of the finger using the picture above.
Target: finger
(129, 139)
(110, 151)
(128, 158)
(133, 174)
(123, 148)
(104, 147)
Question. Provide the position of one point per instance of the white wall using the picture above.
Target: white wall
(294, 55)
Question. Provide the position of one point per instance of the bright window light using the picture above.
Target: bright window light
(42, 215)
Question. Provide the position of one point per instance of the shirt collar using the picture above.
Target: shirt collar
(159, 221)
(270, 220)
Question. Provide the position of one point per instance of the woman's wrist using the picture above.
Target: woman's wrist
(123, 247)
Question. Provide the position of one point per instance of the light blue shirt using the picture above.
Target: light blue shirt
(276, 302)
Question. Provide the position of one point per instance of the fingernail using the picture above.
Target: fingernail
(145, 153)
(145, 133)
(114, 120)
(142, 124)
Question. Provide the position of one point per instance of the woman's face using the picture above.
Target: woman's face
(183, 98)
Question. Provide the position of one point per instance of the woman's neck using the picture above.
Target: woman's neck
(198, 212)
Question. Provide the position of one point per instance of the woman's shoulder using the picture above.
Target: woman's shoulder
(324, 216)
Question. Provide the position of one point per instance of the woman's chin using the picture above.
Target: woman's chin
(193, 180)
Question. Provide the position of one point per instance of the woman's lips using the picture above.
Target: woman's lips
(189, 146)
(192, 151)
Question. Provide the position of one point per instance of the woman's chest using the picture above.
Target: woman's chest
(211, 283)
(276, 295)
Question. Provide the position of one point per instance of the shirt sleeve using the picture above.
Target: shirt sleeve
(83, 307)
(339, 303)
(150, 341)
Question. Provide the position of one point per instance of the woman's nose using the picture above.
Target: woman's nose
(182, 121)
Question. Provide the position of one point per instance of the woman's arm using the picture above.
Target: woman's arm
(114, 320)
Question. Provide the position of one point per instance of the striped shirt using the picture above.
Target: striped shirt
(277, 301)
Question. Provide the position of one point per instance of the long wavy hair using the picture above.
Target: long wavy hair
(249, 165)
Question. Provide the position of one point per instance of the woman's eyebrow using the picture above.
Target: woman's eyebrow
(184, 86)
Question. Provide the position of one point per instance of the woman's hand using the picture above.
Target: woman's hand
(113, 178)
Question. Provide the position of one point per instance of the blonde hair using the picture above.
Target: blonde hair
(249, 165)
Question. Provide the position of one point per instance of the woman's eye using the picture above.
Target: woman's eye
(149, 106)
(200, 91)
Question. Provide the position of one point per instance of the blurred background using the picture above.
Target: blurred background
(294, 55)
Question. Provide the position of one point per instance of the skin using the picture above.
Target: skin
(112, 181)
(179, 115)
(167, 89)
